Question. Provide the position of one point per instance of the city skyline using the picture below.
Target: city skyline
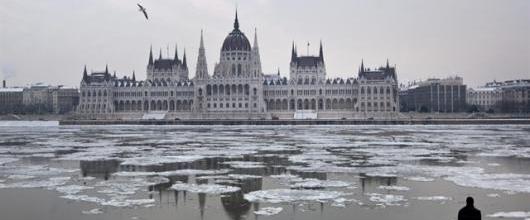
(464, 38)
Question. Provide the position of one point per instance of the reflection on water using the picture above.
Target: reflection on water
(325, 172)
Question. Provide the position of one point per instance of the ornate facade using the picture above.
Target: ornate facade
(238, 89)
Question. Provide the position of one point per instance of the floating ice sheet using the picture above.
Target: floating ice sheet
(245, 164)
(386, 199)
(92, 212)
(268, 211)
(434, 198)
(205, 188)
(395, 188)
(515, 214)
(292, 195)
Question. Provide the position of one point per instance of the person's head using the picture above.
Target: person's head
(469, 201)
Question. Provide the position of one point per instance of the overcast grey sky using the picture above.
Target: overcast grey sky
(482, 40)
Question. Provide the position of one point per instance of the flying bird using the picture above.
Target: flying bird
(142, 9)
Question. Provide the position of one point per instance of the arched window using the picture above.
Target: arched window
(233, 69)
(239, 69)
(255, 91)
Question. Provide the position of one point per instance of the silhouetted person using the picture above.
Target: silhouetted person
(469, 212)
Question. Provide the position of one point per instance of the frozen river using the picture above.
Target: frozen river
(265, 172)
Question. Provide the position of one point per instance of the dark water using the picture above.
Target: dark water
(300, 172)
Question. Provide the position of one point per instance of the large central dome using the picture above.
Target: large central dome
(236, 40)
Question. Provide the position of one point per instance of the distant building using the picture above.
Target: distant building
(10, 99)
(435, 95)
(510, 96)
(37, 98)
(64, 99)
(486, 98)
(516, 96)
(40, 98)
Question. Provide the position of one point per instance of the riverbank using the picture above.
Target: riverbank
(299, 122)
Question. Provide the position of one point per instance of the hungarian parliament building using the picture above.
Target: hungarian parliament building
(238, 89)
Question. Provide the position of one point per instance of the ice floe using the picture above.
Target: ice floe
(159, 160)
(514, 214)
(419, 179)
(395, 188)
(268, 211)
(293, 195)
(72, 189)
(311, 183)
(434, 198)
(245, 164)
(45, 183)
(205, 188)
(20, 177)
(92, 212)
(386, 199)
(6, 160)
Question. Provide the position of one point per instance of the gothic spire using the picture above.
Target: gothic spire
(201, 46)
(184, 63)
(176, 54)
(201, 71)
(321, 53)
(106, 69)
(255, 38)
(160, 56)
(293, 53)
(387, 64)
(85, 74)
(151, 56)
(236, 22)
(362, 65)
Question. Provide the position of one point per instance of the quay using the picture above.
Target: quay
(523, 121)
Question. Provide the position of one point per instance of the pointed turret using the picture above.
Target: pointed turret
(176, 59)
(85, 74)
(255, 38)
(255, 53)
(160, 56)
(236, 22)
(114, 75)
(202, 67)
(184, 62)
(134, 77)
(387, 64)
(151, 56)
(106, 69)
(321, 52)
(293, 54)
(362, 66)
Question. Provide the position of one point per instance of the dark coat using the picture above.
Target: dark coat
(469, 213)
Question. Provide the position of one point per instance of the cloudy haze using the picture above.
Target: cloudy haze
(482, 40)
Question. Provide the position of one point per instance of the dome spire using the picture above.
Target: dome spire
(236, 22)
